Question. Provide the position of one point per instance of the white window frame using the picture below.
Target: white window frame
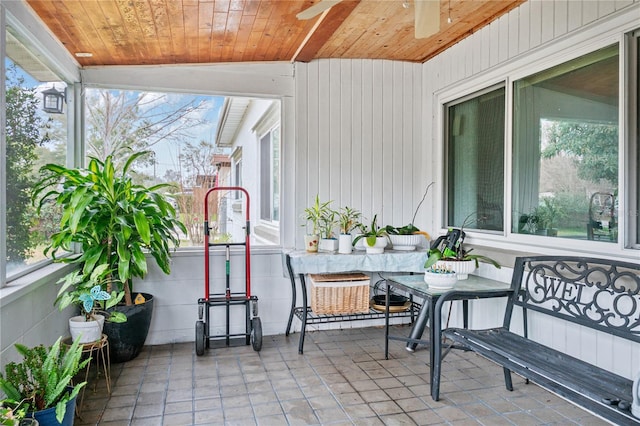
(270, 121)
(25, 24)
(563, 50)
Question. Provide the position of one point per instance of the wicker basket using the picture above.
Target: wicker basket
(339, 293)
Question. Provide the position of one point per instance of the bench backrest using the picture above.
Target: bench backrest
(597, 293)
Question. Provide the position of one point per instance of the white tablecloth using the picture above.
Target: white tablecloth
(303, 262)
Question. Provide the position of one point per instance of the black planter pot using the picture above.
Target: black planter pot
(126, 339)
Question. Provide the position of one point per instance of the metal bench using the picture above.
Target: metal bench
(599, 294)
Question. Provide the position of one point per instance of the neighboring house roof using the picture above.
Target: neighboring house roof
(221, 160)
(231, 116)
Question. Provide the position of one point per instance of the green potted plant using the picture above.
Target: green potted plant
(14, 417)
(349, 219)
(409, 236)
(41, 385)
(328, 222)
(116, 222)
(548, 213)
(94, 303)
(375, 237)
(314, 216)
(448, 253)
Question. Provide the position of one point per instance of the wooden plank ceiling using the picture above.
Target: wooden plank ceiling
(144, 32)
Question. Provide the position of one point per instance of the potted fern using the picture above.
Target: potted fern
(41, 385)
(115, 222)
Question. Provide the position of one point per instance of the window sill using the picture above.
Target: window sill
(32, 281)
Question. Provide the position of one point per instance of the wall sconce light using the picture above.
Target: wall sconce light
(53, 100)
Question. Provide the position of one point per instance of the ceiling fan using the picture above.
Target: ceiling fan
(427, 15)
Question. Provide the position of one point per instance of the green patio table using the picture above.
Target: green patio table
(474, 287)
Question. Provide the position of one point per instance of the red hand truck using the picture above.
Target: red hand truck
(253, 326)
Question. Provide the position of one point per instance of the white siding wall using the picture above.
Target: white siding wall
(176, 295)
(27, 314)
(359, 138)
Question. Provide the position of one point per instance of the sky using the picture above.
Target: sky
(167, 152)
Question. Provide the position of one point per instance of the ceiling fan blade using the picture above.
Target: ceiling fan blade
(317, 9)
(427, 17)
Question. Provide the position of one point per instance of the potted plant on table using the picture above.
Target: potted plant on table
(328, 222)
(409, 236)
(447, 253)
(314, 215)
(349, 220)
(118, 223)
(41, 386)
(94, 303)
(375, 237)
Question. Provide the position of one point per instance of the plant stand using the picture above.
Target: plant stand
(99, 351)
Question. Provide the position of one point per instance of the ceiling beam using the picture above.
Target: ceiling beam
(327, 24)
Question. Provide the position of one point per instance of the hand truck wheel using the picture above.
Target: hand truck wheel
(256, 334)
(200, 337)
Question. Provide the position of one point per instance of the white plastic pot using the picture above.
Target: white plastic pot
(90, 331)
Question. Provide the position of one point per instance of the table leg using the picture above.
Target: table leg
(418, 327)
(292, 278)
(303, 288)
(434, 335)
(386, 321)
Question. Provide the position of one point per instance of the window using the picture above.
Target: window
(270, 176)
(195, 142)
(33, 138)
(565, 149)
(633, 61)
(475, 133)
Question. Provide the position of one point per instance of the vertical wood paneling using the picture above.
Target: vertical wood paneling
(535, 22)
(574, 14)
(324, 131)
(524, 29)
(512, 20)
(503, 40)
(362, 118)
(494, 44)
(363, 158)
(589, 11)
(485, 50)
(546, 18)
(606, 7)
(300, 150)
(354, 140)
(560, 17)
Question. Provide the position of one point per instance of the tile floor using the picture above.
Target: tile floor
(342, 379)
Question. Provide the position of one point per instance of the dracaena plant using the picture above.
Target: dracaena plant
(114, 220)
